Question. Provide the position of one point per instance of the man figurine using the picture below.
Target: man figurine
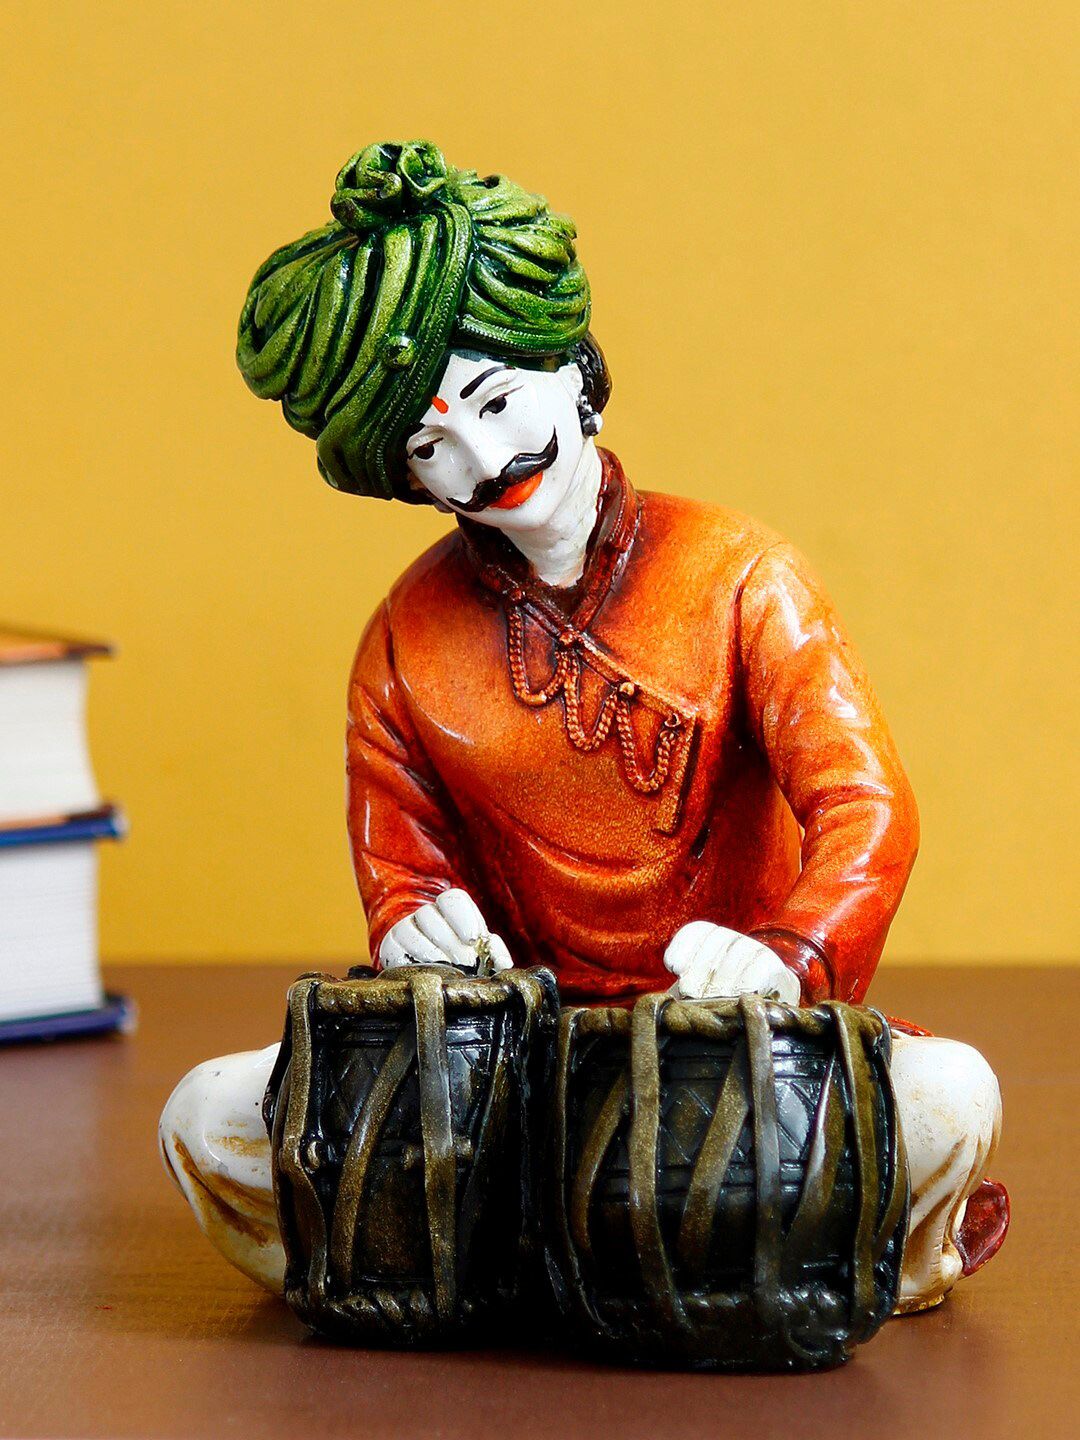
(613, 732)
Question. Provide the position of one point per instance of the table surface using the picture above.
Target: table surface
(118, 1319)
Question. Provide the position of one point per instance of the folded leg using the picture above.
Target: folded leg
(949, 1106)
(215, 1146)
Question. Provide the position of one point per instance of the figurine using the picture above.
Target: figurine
(611, 732)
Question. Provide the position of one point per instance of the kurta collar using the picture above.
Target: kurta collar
(501, 567)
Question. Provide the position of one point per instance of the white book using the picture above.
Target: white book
(48, 929)
(44, 757)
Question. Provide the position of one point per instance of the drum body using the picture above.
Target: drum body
(401, 1112)
(730, 1190)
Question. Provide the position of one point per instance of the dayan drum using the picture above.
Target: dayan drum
(730, 1189)
(401, 1113)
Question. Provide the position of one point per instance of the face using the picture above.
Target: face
(499, 444)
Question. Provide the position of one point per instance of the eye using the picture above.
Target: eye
(495, 406)
(423, 452)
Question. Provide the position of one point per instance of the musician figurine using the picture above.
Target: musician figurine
(609, 731)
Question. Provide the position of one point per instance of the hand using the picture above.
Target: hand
(712, 962)
(451, 931)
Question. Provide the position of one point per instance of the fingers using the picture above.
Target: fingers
(392, 952)
(407, 938)
(685, 944)
(766, 974)
(434, 927)
(743, 959)
(447, 931)
(697, 952)
(500, 955)
(713, 962)
(462, 914)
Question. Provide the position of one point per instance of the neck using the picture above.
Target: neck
(556, 551)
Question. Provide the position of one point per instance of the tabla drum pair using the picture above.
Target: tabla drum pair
(714, 1184)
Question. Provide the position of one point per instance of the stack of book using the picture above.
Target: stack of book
(51, 816)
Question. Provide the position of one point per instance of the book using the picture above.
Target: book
(48, 914)
(51, 818)
(116, 1012)
(44, 756)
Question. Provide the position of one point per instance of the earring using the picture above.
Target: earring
(590, 420)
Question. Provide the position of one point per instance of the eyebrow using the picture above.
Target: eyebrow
(475, 384)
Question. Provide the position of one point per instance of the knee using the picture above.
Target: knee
(182, 1126)
(215, 1146)
(973, 1077)
(212, 1121)
(945, 1092)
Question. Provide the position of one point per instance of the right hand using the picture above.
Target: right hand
(449, 931)
(712, 962)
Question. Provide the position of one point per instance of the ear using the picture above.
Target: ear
(571, 376)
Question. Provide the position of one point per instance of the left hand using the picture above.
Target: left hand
(712, 962)
(449, 930)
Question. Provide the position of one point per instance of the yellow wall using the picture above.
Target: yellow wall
(833, 250)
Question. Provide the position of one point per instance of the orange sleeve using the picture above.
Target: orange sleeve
(401, 828)
(813, 712)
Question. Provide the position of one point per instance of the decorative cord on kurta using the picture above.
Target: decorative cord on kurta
(616, 708)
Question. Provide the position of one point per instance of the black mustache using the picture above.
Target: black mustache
(519, 468)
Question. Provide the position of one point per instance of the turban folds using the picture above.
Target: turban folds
(349, 326)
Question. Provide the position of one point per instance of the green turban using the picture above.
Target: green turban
(349, 326)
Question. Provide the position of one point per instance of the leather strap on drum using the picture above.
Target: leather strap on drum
(644, 1139)
(769, 1240)
(714, 1158)
(440, 1160)
(290, 1159)
(859, 1031)
(362, 1145)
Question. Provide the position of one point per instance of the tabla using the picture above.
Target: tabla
(729, 1188)
(402, 1111)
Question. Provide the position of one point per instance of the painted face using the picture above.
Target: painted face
(500, 444)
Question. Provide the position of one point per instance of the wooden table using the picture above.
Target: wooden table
(117, 1318)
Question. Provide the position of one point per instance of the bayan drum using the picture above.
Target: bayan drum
(401, 1113)
(730, 1189)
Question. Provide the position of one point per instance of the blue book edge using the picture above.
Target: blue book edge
(115, 1013)
(108, 823)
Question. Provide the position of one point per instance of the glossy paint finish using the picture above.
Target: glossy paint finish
(599, 765)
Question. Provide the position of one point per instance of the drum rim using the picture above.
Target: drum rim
(719, 1019)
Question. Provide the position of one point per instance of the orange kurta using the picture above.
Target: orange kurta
(687, 734)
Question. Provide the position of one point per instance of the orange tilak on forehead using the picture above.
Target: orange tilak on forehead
(440, 405)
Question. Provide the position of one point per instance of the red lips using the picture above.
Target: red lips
(519, 493)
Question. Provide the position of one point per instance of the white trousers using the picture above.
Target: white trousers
(215, 1145)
